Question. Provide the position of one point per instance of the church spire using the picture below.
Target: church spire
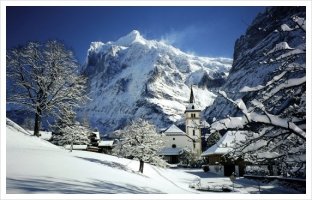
(192, 100)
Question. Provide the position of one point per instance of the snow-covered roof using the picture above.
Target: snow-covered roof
(225, 144)
(205, 124)
(168, 151)
(174, 130)
(106, 143)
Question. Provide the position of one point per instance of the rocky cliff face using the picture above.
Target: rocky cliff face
(134, 77)
(274, 44)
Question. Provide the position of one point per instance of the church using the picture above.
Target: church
(178, 141)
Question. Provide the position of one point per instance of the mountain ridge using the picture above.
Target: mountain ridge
(134, 77)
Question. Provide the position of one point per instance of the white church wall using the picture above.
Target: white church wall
(179, 140)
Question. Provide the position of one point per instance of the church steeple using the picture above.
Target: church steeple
(192, 124)
(191, 103)
(192, 100)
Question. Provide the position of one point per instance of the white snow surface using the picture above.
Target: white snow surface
(46, 135)
(259, 87)
(35, 166)
(300, 21)
(280, 46)
(286, 28)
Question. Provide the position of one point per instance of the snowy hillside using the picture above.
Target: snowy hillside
(37, 166)
(271, 52)
(135, 77)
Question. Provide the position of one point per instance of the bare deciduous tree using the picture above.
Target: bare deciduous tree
(44, 79)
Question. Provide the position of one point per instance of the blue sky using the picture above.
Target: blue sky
(204, 31)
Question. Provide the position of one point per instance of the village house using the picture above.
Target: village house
(216, 159)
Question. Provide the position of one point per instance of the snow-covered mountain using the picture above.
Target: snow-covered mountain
(271, 51)
(134, 77)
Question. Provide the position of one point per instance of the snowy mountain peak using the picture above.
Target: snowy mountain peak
(95, 46)
(138, 78)
(132, 37)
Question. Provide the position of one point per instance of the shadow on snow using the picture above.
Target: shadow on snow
(63, 186)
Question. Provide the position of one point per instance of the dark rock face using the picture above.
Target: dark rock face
(259, 34)
(273, 43)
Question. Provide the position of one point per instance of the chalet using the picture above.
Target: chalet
(94, 138)
(106, 146)
(216, 159)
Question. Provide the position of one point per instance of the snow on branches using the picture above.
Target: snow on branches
(67, 131)
(270, 136)
(140, 140)
(43, 78)
(72, 135)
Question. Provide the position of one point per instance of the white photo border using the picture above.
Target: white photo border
(5, 3)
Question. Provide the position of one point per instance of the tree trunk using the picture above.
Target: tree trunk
(141, 166)
(71, 146)
(37, 122)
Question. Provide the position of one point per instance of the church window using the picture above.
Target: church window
(173, 138)
(193, 132)
(194, 145)
(192, 106)
(174, 146)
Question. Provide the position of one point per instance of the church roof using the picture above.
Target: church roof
(191, 104)
(192, 100)
(173, 129)
(225, 144)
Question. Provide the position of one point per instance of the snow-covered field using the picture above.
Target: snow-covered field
(37, 166)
